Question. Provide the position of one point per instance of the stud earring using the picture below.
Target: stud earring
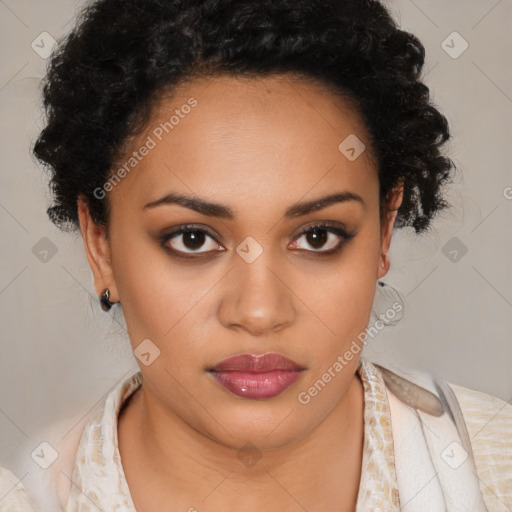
(104, 300)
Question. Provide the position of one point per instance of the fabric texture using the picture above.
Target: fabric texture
(391, 479)
(378, 488)
(99, 480)
(13, 495)
(489, 423)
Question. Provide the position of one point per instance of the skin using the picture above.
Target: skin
(257, 146)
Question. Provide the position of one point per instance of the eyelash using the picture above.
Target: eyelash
(335, 229)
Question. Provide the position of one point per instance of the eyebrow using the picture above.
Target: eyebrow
(218, 210)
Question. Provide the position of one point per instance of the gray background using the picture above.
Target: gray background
(60, 354)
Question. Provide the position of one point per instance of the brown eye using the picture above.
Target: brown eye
(193, 239)
(189, 240)
(322, 238)
(317, 237)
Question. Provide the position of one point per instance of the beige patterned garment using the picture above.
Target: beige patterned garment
(489, 423)
(378, 490)
(99, 481)
(99, 478)
(13, 495)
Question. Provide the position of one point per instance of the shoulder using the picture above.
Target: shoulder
(48, 486)
(487, 419)
(13, 495)
(489, 423)
(47, 482)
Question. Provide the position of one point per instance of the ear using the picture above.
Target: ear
(393, 202)
(97, 250)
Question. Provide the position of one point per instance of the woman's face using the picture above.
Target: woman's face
(255, 160)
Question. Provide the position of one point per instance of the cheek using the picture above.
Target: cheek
(345, 305)
(342, 293)
(164, 301)
(153, 295)
(342, 300)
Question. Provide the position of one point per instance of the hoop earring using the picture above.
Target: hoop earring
(104, 300)
(388, 305)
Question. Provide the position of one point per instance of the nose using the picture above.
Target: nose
(257, 298)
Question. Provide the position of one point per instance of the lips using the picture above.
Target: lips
(257, 364)
(256, 377)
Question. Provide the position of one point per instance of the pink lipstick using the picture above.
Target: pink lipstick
(256, 377)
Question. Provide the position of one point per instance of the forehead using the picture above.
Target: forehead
(268, 136)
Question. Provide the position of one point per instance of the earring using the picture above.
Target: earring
(104, 300)
(388, 305)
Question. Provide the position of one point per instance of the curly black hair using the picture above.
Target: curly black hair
(106, 76)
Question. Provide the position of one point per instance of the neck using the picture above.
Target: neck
(190, 464)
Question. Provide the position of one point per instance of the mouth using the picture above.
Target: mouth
(256, 377)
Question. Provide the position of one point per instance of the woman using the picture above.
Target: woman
(236, 170)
